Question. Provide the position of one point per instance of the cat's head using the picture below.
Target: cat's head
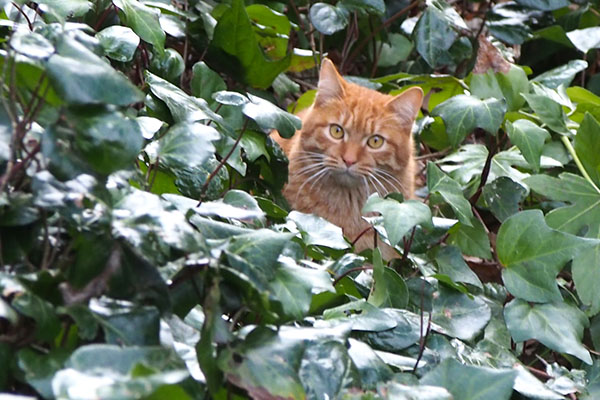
(359, 134)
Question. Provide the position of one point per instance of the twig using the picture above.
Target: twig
(29, 24)
(407, 245)
(580, 166)
(423, 338)
(351, 270)
(484, 174)
(361, 234)
(221, 164)
(387, 23)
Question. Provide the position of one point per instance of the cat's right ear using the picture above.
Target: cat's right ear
(331, 83)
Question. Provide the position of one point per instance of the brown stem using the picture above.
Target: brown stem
(351, 270)
(361, 234)
(104, 16)
(29, 24)
(387, 23)
(221, 164)
(407, 245)
(484, 174)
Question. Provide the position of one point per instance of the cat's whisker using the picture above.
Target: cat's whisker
(326, 170)
(385, 191)
(309, 158)
(382, 172)
(318, 174)
(389, 182)
(310, 168)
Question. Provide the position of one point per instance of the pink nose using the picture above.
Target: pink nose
(349, 161)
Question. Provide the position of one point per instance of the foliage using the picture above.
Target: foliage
(146, 250)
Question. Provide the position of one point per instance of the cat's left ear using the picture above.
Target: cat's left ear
(407, 104)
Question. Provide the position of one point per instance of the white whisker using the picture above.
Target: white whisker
(318, 174)
(382, 172)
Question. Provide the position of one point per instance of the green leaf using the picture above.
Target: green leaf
(108, 140)
(585, 39)
(549, 111)
(557, 325)
(587, 146)
(144, 22)
(182, 106)
(361, 315)
(406, 333)
(119, 42)
(268, 116)
(462, 114)
(235, 48)
(433, 36)
(376, 7)
(472, 240)
(294, 286)
(65, 8)
(81, 77)
(500, 85)
(422, 392)
(529, 138)
(318, 231)
(205, 81)
(533, 254)
(451, 263)
(398, 218)
(39, 369)
(264, 365)
(467, 382)
(461, 316)
(545, 5)
(562, 75)
(503, 197)
(186, 145)
(371, 368)
(450, 191)
(389, 287)
(169, 64)
(31, 44)
(327, 19)
(581, 216)
(42, 312)
(397, 49)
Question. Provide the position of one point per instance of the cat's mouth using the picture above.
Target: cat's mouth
(346, 177)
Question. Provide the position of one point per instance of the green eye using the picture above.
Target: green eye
(375, 141)
(336, 131)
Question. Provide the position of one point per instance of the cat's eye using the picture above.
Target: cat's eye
(375, 141)
(336, 131)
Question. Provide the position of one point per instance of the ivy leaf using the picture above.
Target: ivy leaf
(587, 146)
(471, 239)
(462, 114)
(390, 289)
(451, 263)
(183, 107)
(545, 5)
(235, 49)
(327, 18)
(31, 44)
(65, 8)
(557, 325)
(529, 138)
(549, 111)
(205, 81)
(187, 145)
(562, 75)
(461, 316)
(533, 254)
(119, 42)
(585, 39)
(433, 37)
(500, 85)
(376, 7)
(465, 382)
(362, 316)
(318, 231)
(144, 22)
(81, 77)
(268, 116)
(398, 218)
(450, 191)
(503, 197)
(581, 216)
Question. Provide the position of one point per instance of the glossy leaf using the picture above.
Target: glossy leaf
(144, 22)
(450, 191)
(461, 316)
(529, 138)
(362, 316)
(545, 5)
(390, 289)
(562, 75)
(433, 37)
(504, 196)
(205, 81)
(31, 44)
(398, 218)
(549, 111)
(585, 39)
(451, 263)
(557, 325)
(327, 19)
(268, 116)
(465, 381)
(471, 239)
(587, 146)
(234, 40)
(119, 42)
(500, 85)
(533, 254)
(187, 145)
(81, 77)
(318, 231)
(462, 114)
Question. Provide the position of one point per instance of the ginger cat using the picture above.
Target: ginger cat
(354, 141)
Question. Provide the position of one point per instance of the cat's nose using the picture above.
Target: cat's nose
(349, 161)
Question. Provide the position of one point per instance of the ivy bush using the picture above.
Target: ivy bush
(147, 252)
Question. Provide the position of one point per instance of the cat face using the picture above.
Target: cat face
(357, 137)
